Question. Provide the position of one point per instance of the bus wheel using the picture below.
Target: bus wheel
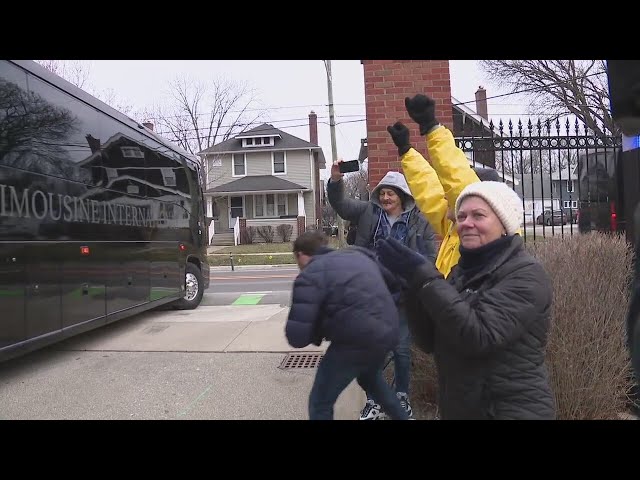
(193, 289)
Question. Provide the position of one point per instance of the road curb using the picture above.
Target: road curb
(227, 268)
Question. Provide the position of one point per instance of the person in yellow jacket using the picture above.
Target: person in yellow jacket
(436, 185)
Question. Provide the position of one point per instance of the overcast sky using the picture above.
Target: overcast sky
(288, 89)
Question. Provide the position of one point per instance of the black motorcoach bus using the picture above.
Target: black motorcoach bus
(100, 218)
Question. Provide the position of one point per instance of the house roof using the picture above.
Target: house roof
(534, 186)
(456, 104)
(257, 183)
(565, 173)
(286, 142)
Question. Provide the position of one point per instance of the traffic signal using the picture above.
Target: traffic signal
(624, 93)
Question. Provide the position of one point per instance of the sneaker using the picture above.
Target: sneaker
(404, 401)
(371, 411)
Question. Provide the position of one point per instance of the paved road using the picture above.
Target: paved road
(250, 287)
(214, 362)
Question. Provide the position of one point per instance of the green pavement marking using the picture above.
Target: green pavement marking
(12, 293)
(184, 412)
(248, 299)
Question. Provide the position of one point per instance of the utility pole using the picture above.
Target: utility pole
(334, 147)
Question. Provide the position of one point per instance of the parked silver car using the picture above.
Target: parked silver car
(559, 217)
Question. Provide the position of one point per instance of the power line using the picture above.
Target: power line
(263, 129)
(530, 89)
(267, 108)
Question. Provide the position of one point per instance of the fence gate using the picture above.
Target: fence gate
(568, 178)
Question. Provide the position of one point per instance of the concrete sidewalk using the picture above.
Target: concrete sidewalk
(239, 350)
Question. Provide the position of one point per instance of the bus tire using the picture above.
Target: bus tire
(193, 279)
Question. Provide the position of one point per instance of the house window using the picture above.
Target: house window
(570, 204)
(270, 205)
(169, 177)
(279, 165)
(132, 152)
(257, 142)
(239, 167)
(570, 186)
(236, 207)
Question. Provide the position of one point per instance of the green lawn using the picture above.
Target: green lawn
(266, 248)
(239, 260)
(258, 248)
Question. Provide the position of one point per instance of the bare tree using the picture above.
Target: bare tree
(200, 115)
(33, 132)
(559, 88)
(73, 71)
(329, 216)
(78, 73)
(356, 184)
(534, 161)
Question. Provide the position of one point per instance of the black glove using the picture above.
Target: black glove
(399, 259)
(422, 110)
(400, 136)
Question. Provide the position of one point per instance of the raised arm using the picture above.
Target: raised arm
(348, 208)
(449, 162)
(422, 180)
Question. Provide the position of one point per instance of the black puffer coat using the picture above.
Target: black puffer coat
(488, 334)
(344, 296)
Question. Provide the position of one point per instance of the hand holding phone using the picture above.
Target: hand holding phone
(350, 166)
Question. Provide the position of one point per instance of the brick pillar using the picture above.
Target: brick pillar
(301, 225)
(386, 84)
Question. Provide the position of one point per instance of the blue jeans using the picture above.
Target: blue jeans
(402, 357)
(337, 370)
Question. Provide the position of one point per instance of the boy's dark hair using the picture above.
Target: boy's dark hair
(310, 242)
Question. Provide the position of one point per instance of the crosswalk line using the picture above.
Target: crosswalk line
(248, 299)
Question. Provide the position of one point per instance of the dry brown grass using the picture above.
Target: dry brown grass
(586, 354)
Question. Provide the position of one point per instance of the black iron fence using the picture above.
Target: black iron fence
(569, 177)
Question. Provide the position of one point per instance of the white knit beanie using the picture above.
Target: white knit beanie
(505, 203)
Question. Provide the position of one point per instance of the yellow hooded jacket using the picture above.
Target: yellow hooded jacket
(437, 185)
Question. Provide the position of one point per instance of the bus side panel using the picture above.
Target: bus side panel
(127, 275)
(83, 282)
(43, 305)
(166, 277)
(12, 282)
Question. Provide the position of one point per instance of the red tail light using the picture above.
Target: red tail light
(613, 217)
(182, 247)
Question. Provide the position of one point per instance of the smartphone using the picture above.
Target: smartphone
(350, 166)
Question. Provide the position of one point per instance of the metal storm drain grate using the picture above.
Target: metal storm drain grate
(301, 361)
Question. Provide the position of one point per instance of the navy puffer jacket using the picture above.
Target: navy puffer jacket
(344, 296)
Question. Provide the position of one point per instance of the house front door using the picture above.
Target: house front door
(236, 209)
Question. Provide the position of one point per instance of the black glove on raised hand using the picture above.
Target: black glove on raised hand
(397, 258)
(422, 110)
(400, 136)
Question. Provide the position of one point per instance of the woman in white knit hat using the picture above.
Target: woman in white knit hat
(487, 323)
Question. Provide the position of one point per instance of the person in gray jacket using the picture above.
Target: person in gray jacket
(391, 213)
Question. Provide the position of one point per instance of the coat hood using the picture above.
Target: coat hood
(397, 180)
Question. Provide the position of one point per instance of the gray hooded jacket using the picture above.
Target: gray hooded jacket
(366, 215)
